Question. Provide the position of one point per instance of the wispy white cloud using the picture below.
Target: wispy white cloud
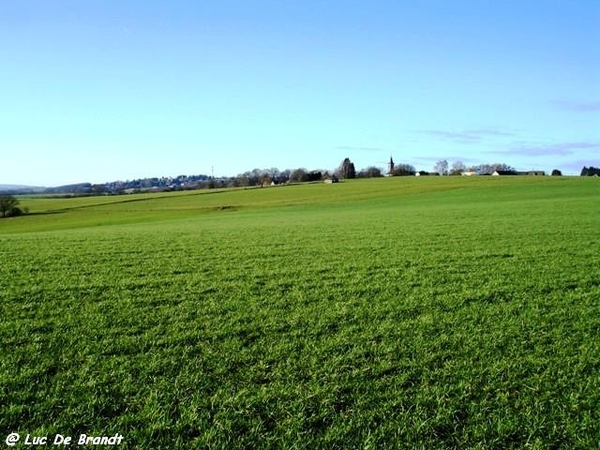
(571, 105)
(576, 166)
(464, 159)
(461, 137)
(360, 149)
(482, 132)
(470, 136)
(558, 149)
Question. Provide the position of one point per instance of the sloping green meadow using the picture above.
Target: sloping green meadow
(392, 313)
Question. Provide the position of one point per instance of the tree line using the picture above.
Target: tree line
(9, 205)
(590, 172)
(258, 177)
(442, 167)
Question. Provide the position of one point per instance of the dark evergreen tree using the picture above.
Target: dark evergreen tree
(347, 169)
(590, 171)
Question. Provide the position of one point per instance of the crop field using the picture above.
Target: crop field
(432, 313)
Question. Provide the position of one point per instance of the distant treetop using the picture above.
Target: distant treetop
(347, 169)
(590, 171)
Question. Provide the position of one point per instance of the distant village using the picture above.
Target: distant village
(274, 176)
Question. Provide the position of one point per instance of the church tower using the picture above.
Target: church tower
(390, 168)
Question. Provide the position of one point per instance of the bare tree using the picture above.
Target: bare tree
(257, 176)
(458, 167)
(369, 172)
(273, 173)
(299, 174)
(401, 170)
(441, 167)
(284, 176)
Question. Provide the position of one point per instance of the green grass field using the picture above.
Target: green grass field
(428, 313)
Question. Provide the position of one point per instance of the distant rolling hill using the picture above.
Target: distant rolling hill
(20, 188)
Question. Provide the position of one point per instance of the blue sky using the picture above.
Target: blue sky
(97, 91)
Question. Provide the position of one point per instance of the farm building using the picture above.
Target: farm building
(535, 173)
(423, 173)
(539, 173)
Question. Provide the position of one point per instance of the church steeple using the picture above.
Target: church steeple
(390, 167)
